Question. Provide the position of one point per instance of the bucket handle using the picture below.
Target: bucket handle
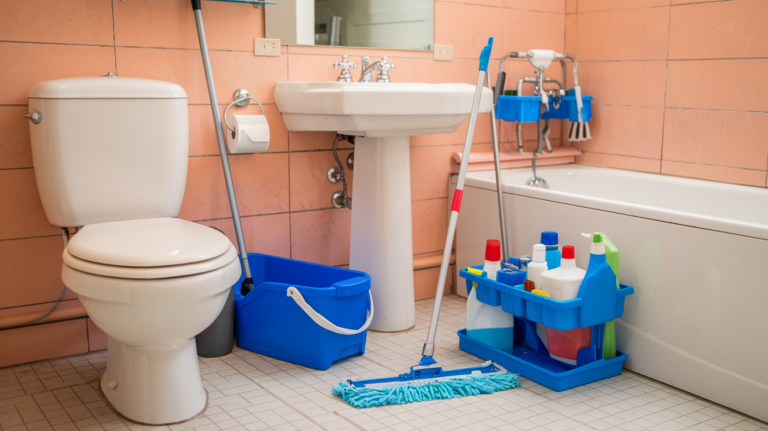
(322, 321)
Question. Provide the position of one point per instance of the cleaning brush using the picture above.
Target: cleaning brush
(579, 130)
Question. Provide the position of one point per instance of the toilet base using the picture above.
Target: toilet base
(154, 384)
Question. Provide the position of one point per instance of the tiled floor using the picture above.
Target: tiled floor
(252, 392)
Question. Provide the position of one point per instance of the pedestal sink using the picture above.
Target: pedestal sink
(384, 115)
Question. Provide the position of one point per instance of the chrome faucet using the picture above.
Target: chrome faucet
(365, 75)
(381, 66)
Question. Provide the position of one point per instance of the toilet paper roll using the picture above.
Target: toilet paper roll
(251, 134)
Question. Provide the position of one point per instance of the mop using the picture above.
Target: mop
(427, 380)
(247, 285)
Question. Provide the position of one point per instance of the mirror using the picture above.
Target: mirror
(388, 24)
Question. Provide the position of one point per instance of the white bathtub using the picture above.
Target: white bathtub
(695, 251)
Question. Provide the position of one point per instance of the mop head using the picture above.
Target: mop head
(425, 383)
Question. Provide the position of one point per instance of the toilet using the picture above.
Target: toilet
(110, 155)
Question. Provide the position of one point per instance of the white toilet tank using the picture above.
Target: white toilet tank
(109, 149)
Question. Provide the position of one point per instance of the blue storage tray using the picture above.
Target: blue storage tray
(530, 363)
(523, 109)
(270, 323)
(569, 110)
(561, 315)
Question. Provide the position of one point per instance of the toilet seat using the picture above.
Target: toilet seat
(148, 243)
(148, 249)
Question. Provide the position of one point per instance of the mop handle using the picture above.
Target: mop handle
(497, 167)
(221, 141)
(429, 346)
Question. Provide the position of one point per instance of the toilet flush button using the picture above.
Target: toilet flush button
(112, 385)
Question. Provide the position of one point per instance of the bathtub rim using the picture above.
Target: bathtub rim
(718, 224)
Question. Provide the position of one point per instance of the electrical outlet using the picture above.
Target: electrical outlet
(443, 52)
(268, 47)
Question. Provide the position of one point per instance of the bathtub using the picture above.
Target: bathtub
(695, 251)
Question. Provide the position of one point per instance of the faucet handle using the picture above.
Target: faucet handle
(344, 65)
(384, 67)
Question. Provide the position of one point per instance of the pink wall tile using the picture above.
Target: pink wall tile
(627, 83)
(425, 282)
(681, 2)
(23, 65)
(732, 29)
(31, 262)
(429, 224)
(309, 141)
(701, 136)
(496, 3)
(430, 167)
(321, 236)
(634, 34)
(602, 5)
(714, 173)
(711, 85)
(97, 339)
(21, 212)
(268, 234)
(14, 145)
(231, 70)
(171, 24)
(51, 340)
(261, 186)
(620, 162)
(571, 6)
(625, 131)
(67, 21)
(570, 34)
(310, 188)
(468, 27)
(556, 6)
(525, 30)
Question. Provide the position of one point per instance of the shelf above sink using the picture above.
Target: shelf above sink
(376, 109)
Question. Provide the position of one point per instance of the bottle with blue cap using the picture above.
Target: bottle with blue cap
(549, 239)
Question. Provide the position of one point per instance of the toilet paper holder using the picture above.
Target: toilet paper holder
(242, 99)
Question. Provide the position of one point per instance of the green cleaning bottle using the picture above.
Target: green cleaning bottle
(612, 259)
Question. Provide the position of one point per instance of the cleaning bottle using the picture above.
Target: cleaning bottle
(536, 267)
(490, 325)
(612, 259)
(562, 284)
(549, 239)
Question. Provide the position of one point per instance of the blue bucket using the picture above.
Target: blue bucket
(304, 313)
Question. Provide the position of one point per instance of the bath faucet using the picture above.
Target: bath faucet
(344, 65)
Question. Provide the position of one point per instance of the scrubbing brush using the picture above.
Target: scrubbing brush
(579, 130)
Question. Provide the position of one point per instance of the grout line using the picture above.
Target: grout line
(38, 303)
(714, 166)
(114, 37)
(30, 237)
(501, 7)
(666, 80)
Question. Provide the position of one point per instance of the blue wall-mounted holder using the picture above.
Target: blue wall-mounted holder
(523, 109)
(598, 302)
(568, 109)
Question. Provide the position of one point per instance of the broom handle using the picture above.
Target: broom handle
(429, 346)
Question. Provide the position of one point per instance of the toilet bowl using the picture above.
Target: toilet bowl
(152, 313)
(111, 155)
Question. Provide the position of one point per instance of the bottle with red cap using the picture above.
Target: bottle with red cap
(563, 283)
(485, 323)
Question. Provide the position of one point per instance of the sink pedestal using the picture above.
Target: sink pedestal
(381, 228)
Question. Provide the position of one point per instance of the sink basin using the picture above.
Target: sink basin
(384, 115)
(376, 109)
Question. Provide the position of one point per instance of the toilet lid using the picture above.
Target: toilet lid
(148, 243)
